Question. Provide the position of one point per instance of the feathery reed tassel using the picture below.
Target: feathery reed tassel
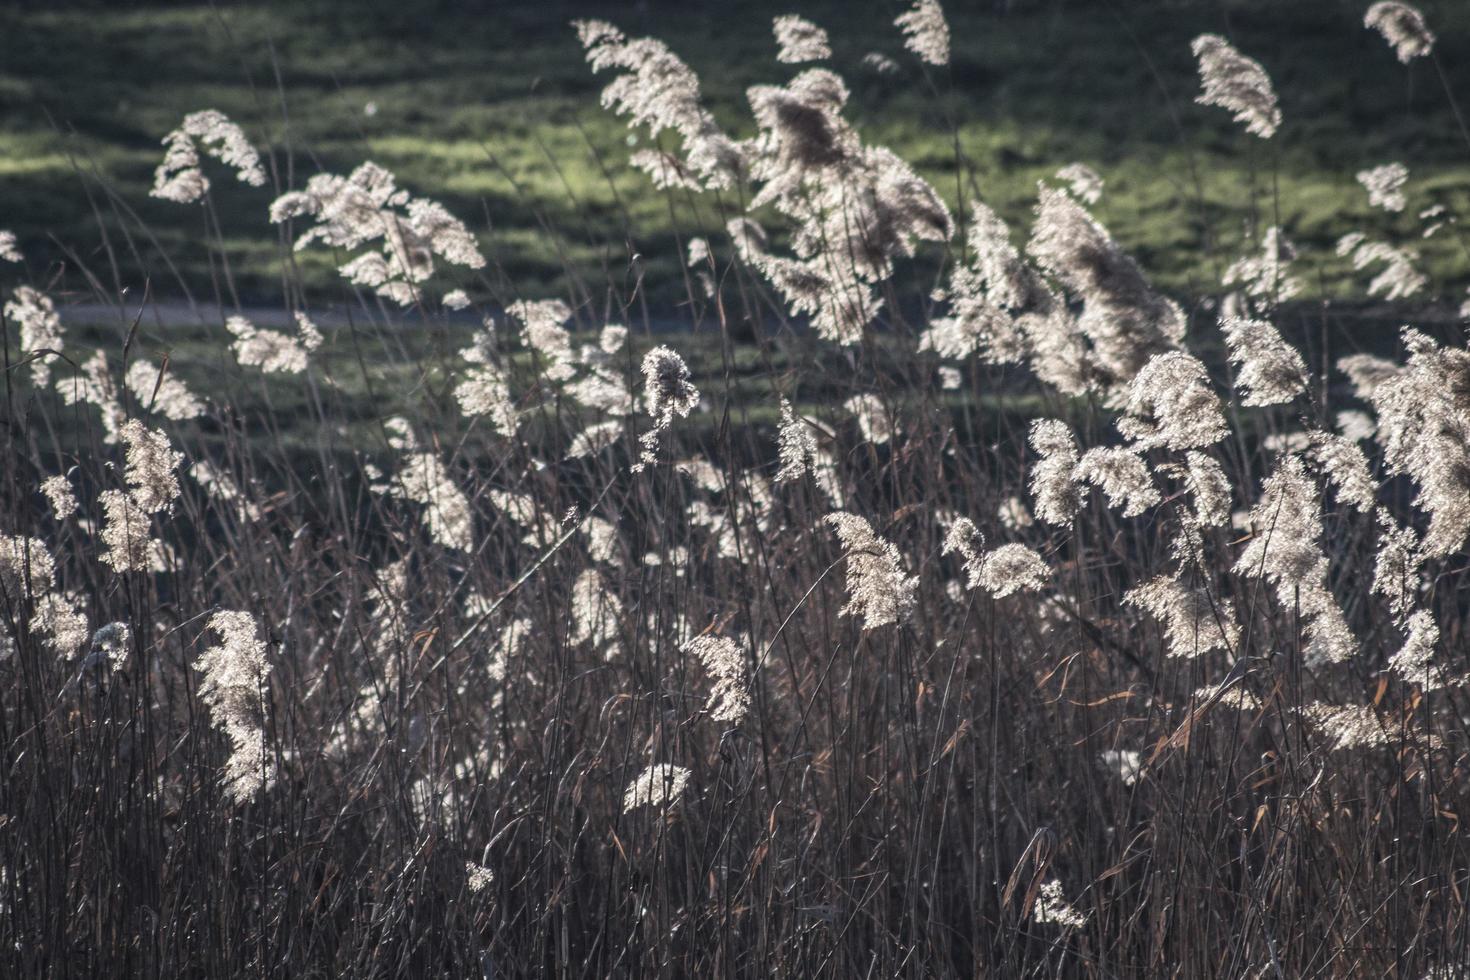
(1236, 84)
(234, 674)
(1403, 27)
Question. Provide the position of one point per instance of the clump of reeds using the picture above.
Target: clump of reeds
(552, 649)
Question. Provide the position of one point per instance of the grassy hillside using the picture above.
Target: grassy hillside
(494, 112)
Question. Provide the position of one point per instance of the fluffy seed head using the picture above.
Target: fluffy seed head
(1271, 370)
(272, 351)
(729, 697)
(423, 479)
(478, 877)
(1346, 468)
(1084, 183)
(667, 386)
(151, 462)
(1124, 321)
(660, 785)
(179, 177)
(1266, 275)
(1415, 662)
(235, 672)
(26, 566)
(1211, 488)
(1051, 908)
(1123, 476)
(800, 40)
(872, 417)
(1424, 428)
(798, 447)
(1396, 574)
(1012, 568)
(1127, 764)
(59, 493)
(1194, 622)
(162, 392)
(1349, 726)
(1236, 84)
(1403, 27)
(1053, 481)
(926, 32)
(40, 328)
(878, 590)
(1170, 403)
(1385, 186)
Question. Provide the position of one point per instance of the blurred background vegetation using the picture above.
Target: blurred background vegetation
(490, 108)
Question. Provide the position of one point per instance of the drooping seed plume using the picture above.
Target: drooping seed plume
(798, 447)
(799, 40)
(660, 785)
(1424, 429)
(423, 479)
(1271, 370)
(1237, 84)
(879, 591)
(1123, 476)
(1195, 622)
(926, 32)
(1403, 27)
(1051, 908)
(235, 674)
(59, 494)
(402, 234)
(723, 661)
(1053, 480)
(1083, 183)
(1171, 403)
(273, 351)
(179, 177)
(40, 329)
(162, 392)
(1385, 186)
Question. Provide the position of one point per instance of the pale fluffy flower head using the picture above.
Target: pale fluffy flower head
(660, 785)
(1385, 186)
(926, 32)
(878, 590)
(1236, 84)
(800, 40)
(1403, 27)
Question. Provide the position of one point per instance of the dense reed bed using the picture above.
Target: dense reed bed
(1013, 620)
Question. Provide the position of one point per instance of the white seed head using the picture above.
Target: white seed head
(1403, 27)
(179, 177)
(800, 40)
(926, 32)
(59, 494)
(1083, 183)
(1271, 370)
(1051, 908)
(1236, 84)
(235, 674)
(660, 785)
(878, 590)
(40, 328)
(1194, 622)
(1123, 476)
(1385, 186)
(1053, 481)
(1171, 403)
(723, 661)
